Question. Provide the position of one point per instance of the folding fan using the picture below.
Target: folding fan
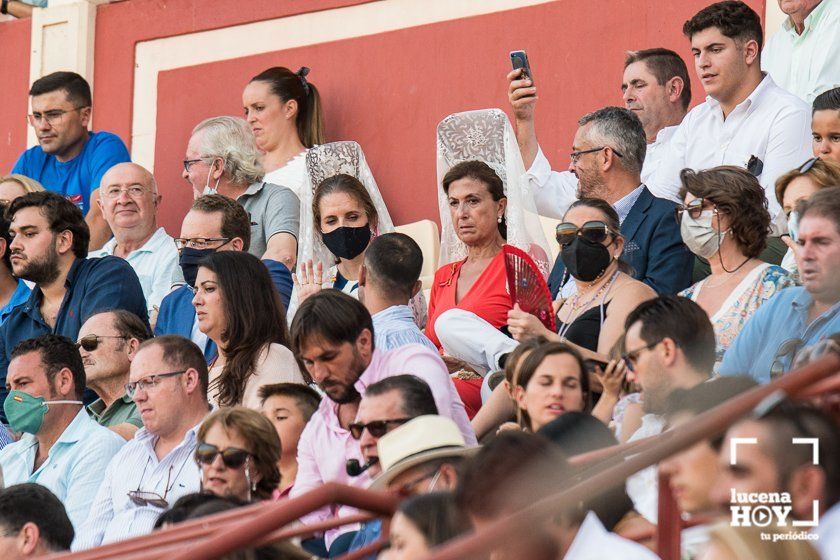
(527, 286)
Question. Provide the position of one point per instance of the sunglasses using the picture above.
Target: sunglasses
(787, 349)
(630, 358)
(91, 342)
(232, 457)
(596, 231)
(377, 428)
(806, 167)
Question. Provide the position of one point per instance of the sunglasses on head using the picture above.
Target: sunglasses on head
(595, 230)
(232, 457)
(91, 342)
(377, 428)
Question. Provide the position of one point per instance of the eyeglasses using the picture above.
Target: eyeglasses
(595, 231)
(200, 242)
(694, 209)
(134, 191)
(189, 163)
(575, 156)
(787, 348)
(806, 167)
(630, 358)
(143, 498)
(232, 457)
(148, 382)
(409, 489)
(377, 428)
(91, 342)
(52, 117)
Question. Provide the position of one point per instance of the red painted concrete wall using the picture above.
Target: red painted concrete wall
(14, 88)
(388, 91)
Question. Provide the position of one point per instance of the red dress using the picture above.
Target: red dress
(488, 298)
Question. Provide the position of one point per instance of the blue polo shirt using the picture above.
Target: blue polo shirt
(20, 296)
(78, 177)
(93, 285)
(781, 318)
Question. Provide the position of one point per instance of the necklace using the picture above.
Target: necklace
(601, 293)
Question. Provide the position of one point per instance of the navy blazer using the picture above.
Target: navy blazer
(177, 314)
(653, 247)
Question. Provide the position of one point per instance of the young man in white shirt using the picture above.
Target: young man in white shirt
(803, 56)
(655, 86)
(747, 120)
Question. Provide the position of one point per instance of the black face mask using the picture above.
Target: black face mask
(584, 259)
(189, 260)
(347, 242)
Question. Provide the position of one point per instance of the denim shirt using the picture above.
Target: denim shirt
(93, 286)
(781, 318)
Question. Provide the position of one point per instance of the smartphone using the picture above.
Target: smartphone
(591, 365)
(519, 59)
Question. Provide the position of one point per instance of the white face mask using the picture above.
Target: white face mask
(207, 188)
(793, 225)
(699, 235)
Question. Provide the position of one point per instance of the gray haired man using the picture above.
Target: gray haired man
(222, 157)
(607, 157)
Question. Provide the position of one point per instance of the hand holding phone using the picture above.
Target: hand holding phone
(519, 59)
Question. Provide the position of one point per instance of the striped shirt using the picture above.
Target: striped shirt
(113, 516)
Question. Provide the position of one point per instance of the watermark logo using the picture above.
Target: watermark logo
(770, 509)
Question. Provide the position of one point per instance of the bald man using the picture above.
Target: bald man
(129, 199)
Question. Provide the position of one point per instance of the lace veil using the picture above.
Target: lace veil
(322, 162)
(486, 135)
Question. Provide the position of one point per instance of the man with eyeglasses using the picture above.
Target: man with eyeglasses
(107, 343)
(129, 199)
(670, 345)
(69, 159)
(49, 248)
(798, 316)
(222, 157)
(214, 223)
(333, 335)
(609, 149)
(61, 446)
(168, 381)
(385, 406)
(655, 86)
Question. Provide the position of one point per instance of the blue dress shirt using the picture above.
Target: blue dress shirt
(74, 467)
(93, 286)
(781, 318)
(394, 327)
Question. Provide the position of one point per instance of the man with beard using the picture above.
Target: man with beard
(608, 151)
(670, 345)
(333, 335)
(49, 246)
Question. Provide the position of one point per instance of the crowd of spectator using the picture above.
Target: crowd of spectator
(284, 340)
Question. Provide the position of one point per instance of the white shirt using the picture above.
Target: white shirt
(555, 191)
(771, 124)
(808, 64)
(594, 542)
(828, 530)
(642, 487)
(291, 175)
(113, 516)
(155, 263)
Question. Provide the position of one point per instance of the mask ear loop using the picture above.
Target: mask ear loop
(720, 245)
(252, 486)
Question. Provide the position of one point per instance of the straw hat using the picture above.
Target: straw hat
(416, 442)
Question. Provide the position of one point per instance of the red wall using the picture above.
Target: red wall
(14, 81)
(388, 91)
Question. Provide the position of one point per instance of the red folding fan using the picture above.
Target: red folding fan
(527, 286)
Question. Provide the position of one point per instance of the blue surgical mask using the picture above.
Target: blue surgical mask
(189, 259)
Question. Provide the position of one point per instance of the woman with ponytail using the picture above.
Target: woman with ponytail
(284, 111)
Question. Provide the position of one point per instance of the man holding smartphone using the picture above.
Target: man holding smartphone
(655, 86)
